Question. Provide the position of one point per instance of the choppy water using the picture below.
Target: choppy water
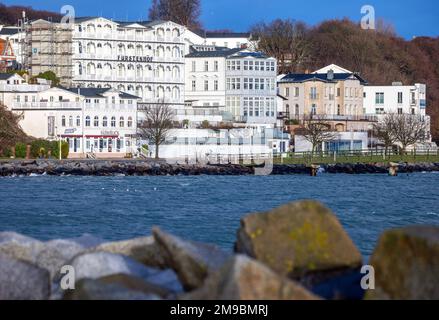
(209, 208)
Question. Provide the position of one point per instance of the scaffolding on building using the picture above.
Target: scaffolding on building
(48, 46)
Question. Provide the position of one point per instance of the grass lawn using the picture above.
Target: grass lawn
(358, 159)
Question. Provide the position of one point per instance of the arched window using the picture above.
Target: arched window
(96, 121)
(71, 121)
(113, 122)
(121, 122)
(87, 121)
(78, 121)
(104, 121)
(175, 33)
(130, 122)
(63, 121)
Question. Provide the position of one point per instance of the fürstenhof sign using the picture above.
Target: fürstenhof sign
(134, 58)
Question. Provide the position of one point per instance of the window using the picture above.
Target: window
(96, 121)
(63, 121)
(215, 65)
(313, 109)
(379, 98)
(104, 121)
(287, 92)
(245, 65)
(206, 66)
(215, 85)
(194, 85)
(206, 85)
(87, 121)
(194, 66)
(296, 93)
(399, 110)
(113, 122)
(297, 109)
(338, 110)
(78, 121)
(399, 97)
(130, 122)
(121, 122)
(313, 94)
(338, 92)
(70, 121)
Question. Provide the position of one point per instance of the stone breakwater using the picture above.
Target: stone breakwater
(299, 251)
(161, 168)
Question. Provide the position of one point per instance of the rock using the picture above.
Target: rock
(56, 253)
(192, 261)
(243, 278)
(101, 289)
(100, 264)
(144, 250)
(298, 239)
(20, 247)
(406, 263)
(97, 265)
(20, 280)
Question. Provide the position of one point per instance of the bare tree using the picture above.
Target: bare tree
(157, 124)
(10, 130)
(385, 131)
(409, 130)
(154, 13)
(316, 130)
(184, 12)
(286, 40)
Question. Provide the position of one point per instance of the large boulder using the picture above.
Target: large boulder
(406, 263)
(98, 265)
(192, 261)
(20, 247)
(297, 239)
(103, 289)
(56, 253)
(144, 250)
(20, 280)
(243, 278)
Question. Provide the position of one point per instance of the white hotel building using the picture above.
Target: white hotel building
(99, 121)
(238, 81)
(145, 59)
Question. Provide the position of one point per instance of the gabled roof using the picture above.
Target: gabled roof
(227, 35)
(6, 76)
(8, 31)
(98, 92)
(213, 54)
(335, 68)
(304, 77)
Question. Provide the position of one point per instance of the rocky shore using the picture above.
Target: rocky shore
(299, 251)
(161, 168)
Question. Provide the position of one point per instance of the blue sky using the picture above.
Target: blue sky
(410, 18)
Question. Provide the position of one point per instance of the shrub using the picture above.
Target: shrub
(205, 124)
(54, 147)
(20, 150)
(39, 148)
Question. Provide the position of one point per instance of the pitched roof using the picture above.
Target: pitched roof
(8, 31)
(98, 92)
(227, 34)
(5, 76)
(304, 77)
(213, 54)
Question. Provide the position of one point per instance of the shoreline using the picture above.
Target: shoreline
(161, 168)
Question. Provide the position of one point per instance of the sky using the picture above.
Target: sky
(410, 18)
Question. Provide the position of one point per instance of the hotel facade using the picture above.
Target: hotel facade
(238, 81)
(142, 59)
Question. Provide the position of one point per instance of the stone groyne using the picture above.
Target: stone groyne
(299, 251)
(161, 168)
